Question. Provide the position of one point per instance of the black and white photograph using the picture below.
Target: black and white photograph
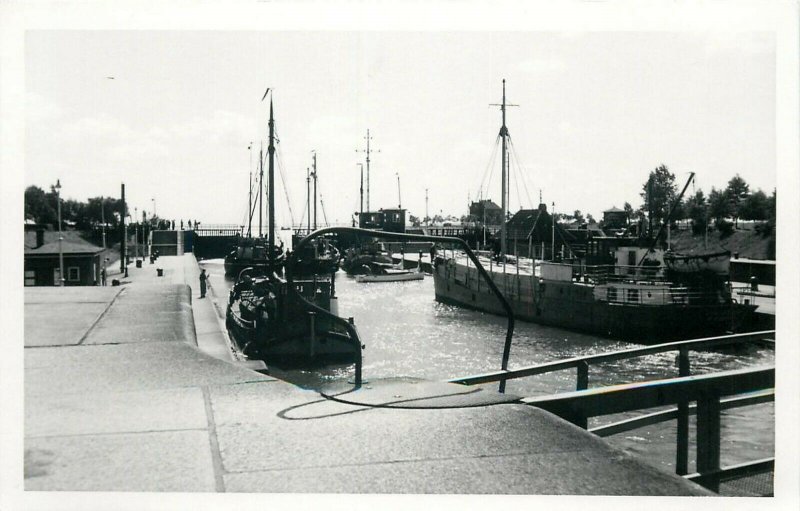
(366, 255)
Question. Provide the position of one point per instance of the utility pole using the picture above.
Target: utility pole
(103, 219)
(136, 234)
(399, 200)
(368, 152)
(123, 246)
(553, 233)
(427, 220)
(61, 279)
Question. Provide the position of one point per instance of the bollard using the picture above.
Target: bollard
(138, 263)
(160, 272)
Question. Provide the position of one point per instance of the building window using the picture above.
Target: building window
(30, 278)
(73, 274)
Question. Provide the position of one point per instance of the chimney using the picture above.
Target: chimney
(39, 237)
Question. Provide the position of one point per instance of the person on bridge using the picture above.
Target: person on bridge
(203, 279)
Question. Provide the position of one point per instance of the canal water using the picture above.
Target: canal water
(408, 333)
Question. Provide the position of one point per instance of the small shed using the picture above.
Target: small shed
(82, 263)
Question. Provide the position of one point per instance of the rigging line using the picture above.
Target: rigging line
(283, 179)
(517, 178)
(489, 164)
(522, 170)
(493, 162)
(322, 204)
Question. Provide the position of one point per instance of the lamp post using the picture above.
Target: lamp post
(136, 235)
(61, 279)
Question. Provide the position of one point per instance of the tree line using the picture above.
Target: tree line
(721, 209)
(42, 208)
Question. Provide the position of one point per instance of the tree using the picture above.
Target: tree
(589, 218)
(737, 191)
(628, 212)
(40, 206)
(658, 194)
(697, 211)
(413, 220)
(578, 216)
(755, 207)
(719, 205)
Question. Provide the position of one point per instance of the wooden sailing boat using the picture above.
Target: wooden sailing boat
(273, 319)
(255, 253)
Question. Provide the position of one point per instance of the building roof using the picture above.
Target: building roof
(614, 209)
(535, 222)
(486, 203)
(68, 247)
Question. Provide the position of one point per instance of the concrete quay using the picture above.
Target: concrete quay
(132, 388)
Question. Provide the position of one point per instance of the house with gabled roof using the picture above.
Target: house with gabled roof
(82, 260)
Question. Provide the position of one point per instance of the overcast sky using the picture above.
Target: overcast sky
(597, 111)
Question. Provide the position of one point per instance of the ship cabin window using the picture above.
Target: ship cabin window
(247, 253)
(633, 295)
(259, 253)
(611, 294)
(631, 258)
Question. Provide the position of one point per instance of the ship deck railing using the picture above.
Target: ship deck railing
(712, 393)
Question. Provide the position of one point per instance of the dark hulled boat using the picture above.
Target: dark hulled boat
(290, 321)
(664, 297)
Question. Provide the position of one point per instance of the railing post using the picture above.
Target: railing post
(312, 349)
(583, 384)
(708, 436)
(682, 448)
(583, 375)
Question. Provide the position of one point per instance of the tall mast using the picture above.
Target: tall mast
(308, 198)
(361, 192)
(368, 151)
(271, 151)
(260, 188)
(250, 195)
(314, 174)
(503, 134)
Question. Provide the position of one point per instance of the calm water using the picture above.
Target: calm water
(408, 333)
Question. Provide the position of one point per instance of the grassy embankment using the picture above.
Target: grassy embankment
(745, 241)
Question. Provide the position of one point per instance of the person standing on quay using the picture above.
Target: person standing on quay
(203, 279)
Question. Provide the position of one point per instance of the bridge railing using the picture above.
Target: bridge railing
(707, 390)
(683, 410)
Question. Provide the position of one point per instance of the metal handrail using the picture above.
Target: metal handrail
(755, 398)
(570, 363)
(707, 389)
(291, 261)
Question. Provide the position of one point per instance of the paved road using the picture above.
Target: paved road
(120, 397)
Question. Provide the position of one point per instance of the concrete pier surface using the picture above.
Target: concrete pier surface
(132, 388)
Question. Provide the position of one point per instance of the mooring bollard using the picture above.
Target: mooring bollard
(160, 272)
